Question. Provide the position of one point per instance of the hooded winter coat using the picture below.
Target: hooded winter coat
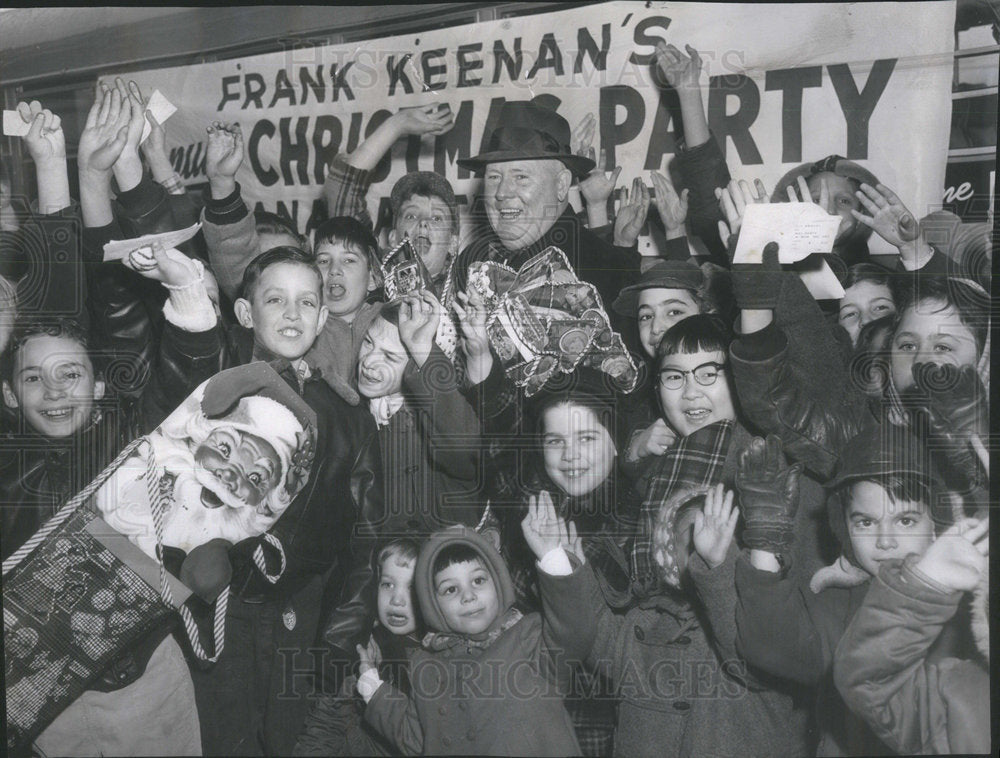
(496, 693)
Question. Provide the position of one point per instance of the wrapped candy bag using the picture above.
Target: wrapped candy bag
(542, 320)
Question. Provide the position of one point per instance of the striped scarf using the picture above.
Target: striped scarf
(695, 462)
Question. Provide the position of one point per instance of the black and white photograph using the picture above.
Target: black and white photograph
(497, 379)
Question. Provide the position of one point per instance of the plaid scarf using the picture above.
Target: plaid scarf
(696, 461)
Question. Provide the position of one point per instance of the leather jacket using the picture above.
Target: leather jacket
(330, 527)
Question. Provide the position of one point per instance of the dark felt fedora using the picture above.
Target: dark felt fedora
(529, 131)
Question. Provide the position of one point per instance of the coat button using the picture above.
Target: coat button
(682, 705)
(443, 710)
(639, 633)
(461, 706)
(683, 640)
(471, 736)
(446, 741)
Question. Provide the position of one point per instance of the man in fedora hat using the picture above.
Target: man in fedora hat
(527, 171)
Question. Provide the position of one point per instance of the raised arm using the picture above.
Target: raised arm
(349, 176)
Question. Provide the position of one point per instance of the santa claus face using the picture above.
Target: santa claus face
(245, 468)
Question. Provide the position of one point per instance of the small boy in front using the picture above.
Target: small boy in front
(335, 726)
(880, 510)
(487, 673)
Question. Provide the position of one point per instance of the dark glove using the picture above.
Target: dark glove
(769, 495)
(956, 406)
(757, 285)
(207, 570)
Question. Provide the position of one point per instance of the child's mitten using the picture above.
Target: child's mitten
(756, 286)
(769, 495)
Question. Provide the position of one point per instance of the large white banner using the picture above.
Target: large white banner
(788, 83)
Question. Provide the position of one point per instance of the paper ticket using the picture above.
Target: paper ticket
(161, 108)
(116, 250)
(800, 229)
(13, 124)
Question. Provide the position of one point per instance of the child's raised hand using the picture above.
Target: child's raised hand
(370, 656)
(543, 529)
(714, 526)
(958, 557)
(45, 139)
(581, 141)
(673, 208)
(419, 316)
(104, 135)
(734, 200)
(681, 71)
(889, 217)
(435, 118)
(597, 186)
(224, 154)
(167, 265)
(131, 96)
(631, 214)
(472, 321)
(769, 495)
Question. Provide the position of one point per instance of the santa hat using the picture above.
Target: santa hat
(255, 399)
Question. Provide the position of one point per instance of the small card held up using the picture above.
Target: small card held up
(800, 229)
(13, 124)
(161, 108)
(117, 250)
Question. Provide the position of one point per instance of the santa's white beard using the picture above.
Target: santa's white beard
(124, 503)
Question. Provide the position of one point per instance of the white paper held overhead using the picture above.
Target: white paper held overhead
(116, 250)
(13, 124)
(161, 108)
(800, 229)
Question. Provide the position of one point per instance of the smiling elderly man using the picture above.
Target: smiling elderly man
(527, 170)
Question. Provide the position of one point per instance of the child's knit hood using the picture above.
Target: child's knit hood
(423, 576)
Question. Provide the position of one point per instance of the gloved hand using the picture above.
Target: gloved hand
(957, 411)
(769, 495)
(756, 285)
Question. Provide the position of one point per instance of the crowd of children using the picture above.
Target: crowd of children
(774, 545)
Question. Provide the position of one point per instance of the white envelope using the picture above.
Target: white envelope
(161, 108)
(116, 250)
(13, 124)
(800, 229)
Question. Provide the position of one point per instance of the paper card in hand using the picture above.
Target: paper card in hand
(161, 108)
(800, 229)
(543, 320)
(117, 250)
(13, 124)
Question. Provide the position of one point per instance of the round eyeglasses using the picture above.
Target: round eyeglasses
(705, 375)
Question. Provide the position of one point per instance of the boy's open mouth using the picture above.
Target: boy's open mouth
(290, 332)
(396, 619)
(336, 291)
(509, 214)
